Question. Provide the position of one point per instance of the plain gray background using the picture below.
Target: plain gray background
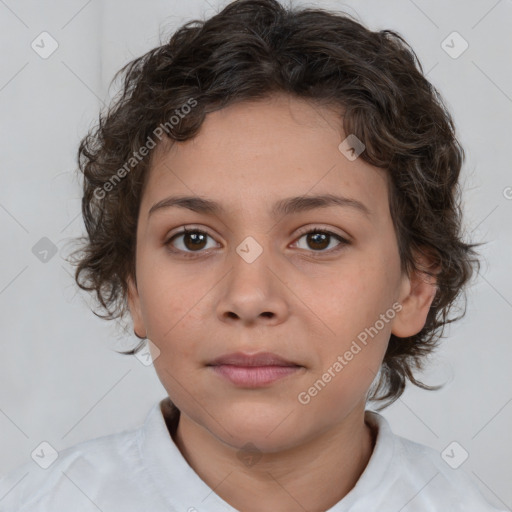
(60, 379)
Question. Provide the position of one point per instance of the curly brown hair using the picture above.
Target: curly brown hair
(250, 50)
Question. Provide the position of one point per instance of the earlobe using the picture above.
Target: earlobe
(135, 309)
(417, 294)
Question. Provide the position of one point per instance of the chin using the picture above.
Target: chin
(268, 430)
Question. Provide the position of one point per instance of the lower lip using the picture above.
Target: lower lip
(254, 376)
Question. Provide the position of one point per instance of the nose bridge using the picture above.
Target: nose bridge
(252, 289)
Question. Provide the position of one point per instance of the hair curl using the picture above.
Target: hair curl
(248, 51)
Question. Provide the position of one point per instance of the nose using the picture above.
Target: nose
(253, 293)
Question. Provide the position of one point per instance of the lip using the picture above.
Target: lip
(257, 359)
(253, 370)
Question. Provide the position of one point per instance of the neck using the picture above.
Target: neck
(314, 475)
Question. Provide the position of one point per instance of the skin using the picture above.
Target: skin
(304, 308)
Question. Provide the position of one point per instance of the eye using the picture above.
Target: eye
(190, 241)
(193, 240)
(319, 239)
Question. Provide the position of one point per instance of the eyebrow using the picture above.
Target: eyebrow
(282, 207)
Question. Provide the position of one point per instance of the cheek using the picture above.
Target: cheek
(357, 295)
(349, 359)
(166, 287)
(358, 311)
(170, 302)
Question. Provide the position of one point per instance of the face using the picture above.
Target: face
(303, 282)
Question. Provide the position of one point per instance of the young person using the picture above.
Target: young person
(273, 199)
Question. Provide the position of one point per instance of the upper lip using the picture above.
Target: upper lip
(259, 359)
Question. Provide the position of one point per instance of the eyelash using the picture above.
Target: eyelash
(195, 254)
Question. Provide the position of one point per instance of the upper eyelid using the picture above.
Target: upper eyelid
(301, 231)
(315, 228)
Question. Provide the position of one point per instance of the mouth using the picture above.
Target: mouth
(258, 359)
(253, 370)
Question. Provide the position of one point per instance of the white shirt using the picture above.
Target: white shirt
(143, 470)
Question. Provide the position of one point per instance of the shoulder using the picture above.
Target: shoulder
(78, 475)
(429, 481)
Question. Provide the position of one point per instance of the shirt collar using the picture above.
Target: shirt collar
(177, 483)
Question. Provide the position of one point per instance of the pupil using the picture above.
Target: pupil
(318, 238)
(196, 238)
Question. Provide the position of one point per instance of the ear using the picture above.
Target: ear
(135, 309)
(417, 293)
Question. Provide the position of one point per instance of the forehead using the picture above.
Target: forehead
(250, 155)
